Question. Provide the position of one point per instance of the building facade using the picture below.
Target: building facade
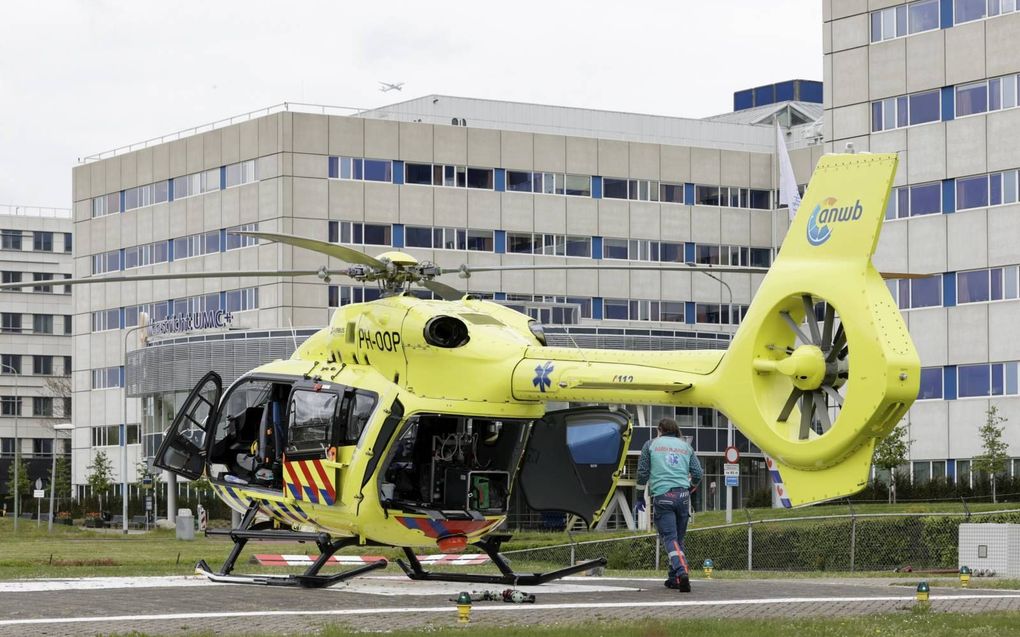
(449, 180)
(936, 82)
(35, 341)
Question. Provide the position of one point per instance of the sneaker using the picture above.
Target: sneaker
(671, 583)
(685, 585)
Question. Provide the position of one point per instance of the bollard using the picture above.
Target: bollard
(708, 566)
(464, 608)
(922, 593)
(964, 576)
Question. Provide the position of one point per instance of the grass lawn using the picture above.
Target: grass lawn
(910, 624)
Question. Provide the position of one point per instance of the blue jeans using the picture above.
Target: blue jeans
(672, 513)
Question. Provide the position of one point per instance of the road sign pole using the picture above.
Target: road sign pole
(729, 489)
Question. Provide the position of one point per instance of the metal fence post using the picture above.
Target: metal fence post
(750, 541)
(573, 556)
(658, 546)
(853, 535)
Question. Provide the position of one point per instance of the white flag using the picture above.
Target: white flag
(788, 192)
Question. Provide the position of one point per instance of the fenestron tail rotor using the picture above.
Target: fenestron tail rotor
(817, 364)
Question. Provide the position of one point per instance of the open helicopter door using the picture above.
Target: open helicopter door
(573, 460)
(183, 448)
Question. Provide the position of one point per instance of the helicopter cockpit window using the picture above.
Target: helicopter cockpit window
(311, 420)
(363, 404)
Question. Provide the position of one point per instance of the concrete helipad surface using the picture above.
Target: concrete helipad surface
(181, 605)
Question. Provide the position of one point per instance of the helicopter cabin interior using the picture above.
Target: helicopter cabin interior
(263, 421)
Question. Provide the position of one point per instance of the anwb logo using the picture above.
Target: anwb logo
(818, 230)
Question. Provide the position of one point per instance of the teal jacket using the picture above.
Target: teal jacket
(669, 462)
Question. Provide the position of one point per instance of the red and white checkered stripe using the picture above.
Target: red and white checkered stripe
(305, 560)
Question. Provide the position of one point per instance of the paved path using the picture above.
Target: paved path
(182, 605)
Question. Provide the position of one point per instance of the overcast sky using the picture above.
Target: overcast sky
(79, 77)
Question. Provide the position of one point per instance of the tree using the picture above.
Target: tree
(892, 453)
(100, 477)
(993, 460)
(62, 481)
(24, 484)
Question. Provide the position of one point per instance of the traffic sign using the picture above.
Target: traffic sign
(39, 493)
(731, 455)
(731, 473)
(38, 483)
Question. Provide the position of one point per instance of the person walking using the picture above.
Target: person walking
(671, 471)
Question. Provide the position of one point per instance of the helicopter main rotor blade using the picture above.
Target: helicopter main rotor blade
(445, 292)
(322, 247)
(467, 270)
(171, 275)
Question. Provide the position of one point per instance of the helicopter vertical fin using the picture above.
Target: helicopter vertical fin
(817, 392)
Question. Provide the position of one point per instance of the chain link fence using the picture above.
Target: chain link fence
(841, 543)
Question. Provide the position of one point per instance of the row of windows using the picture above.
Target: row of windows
(109, 435)
(181, 248)
(42, 241)
(976, 191)
(382, 170)
(986, 190)
(972, 381)
(40, 446)
(42, 365)
(906, 19)
(231, 301)
(916, 293)
(177, 188)
(925, 470)
(974, 286)
(11, 323)
(924, 15)
(9, 276)
(42, 406)
(358, 233)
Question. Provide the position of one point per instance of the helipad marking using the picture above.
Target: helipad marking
(480, 609)
(101, 583)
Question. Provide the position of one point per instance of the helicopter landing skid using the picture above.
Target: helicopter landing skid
(309, 579)
(413, 568)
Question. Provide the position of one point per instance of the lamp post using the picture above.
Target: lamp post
(142, 324)
(17, 409)
(729, 423)
(53, 468)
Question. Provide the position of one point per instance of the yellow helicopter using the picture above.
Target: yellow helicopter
(406, 422)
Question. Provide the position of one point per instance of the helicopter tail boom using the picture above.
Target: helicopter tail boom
(822, 366)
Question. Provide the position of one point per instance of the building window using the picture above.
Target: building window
(969, 10)
(244, 172)
(10, 239)
(42, 406)
(243, 299)
(196, 245)
(995, 379)
(105, 320)
(237, 241)
(106, 262)
(42, 446)
(187, 185)
(42, 241)
(340, 295)
(148, 254)
(106, 204)
(987, 95)
(931, 383)
(906, 110)
(993, 284)
(916, 293)
(548, 244)
(42, 323)
(106, 378)
(913, 201)
(10, 405)
(197, 304)
(10, 364)
(360, 169)
(6, 446)
(615, 249)
(67, 366)
(68, 325)
(10, 322)
(42, 365)
(359, 233)
(7, 276)
(896, 22)
(109, 435)
(706, 195)
(146, 195)
(42, 276)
